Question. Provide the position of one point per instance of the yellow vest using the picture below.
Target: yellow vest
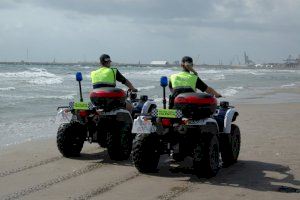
(184, 79)
(104, 75)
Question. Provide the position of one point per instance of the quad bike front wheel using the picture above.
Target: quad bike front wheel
(70, 139)
(230, 146)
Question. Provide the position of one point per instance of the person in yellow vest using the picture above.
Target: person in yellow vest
(188, 81)
(106, 76)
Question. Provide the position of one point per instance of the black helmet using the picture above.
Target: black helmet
(104, 58)
(187, 59)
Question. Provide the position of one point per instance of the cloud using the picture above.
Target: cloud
(245, 14)
(149, 28)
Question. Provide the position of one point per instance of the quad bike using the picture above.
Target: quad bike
(195, 127)
(104, 120)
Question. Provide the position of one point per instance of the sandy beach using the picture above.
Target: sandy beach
(268, 167)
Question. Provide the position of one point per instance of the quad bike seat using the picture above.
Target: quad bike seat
(196, 105)
(108, 98)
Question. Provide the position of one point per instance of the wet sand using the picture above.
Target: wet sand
(268, 167)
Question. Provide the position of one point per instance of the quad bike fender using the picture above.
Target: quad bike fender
(143, 125)
(121, 115)
(230, 117)
(206, 125)
(147, 107)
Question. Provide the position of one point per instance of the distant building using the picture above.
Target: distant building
(159, 62)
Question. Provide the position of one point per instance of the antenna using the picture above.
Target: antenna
(27, 54)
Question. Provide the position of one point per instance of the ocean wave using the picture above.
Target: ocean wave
(231, 91)
(46, 81)
(39, 76)
(256, 72)
(160, 72)
(288, 85)
(31, 73)
(23, 97)
(210, 71)
(214, 77)
(68, 97)
(7, 89)
(146, 87)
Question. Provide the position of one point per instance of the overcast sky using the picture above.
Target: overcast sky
(144, 30)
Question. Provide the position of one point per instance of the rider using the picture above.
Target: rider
(106, 76)
(186, 81)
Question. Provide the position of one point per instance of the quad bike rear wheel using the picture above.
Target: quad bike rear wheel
(206, 156)
(145, 153)
(70, 139)
(119, 141)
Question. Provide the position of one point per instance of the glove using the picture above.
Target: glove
(134, 90)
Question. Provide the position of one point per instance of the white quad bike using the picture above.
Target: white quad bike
(194, 127)
(103, 120)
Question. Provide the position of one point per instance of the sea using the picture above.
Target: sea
(30, 94)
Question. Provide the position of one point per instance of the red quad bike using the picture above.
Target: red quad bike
(104, 120)
(195, 127)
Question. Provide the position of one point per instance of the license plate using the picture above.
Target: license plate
(167, 113)
(81, 106)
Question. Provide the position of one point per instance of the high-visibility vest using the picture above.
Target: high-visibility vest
(183, 80)
(104, 75)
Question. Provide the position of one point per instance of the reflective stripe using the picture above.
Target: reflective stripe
(104, 75)
(184, 79)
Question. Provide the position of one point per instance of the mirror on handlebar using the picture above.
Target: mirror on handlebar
(144, 98)
(133, 96)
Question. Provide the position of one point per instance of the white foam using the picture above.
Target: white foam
(69, 96)
(231, 91)
(214, 77)
(38, 76)
(210, 71)
(146, 87)
(288, 85)
(257, 73)
(248, 71)
(160, 72)
(23, 97)
(34, 72)
(7, 89)
(46, 81)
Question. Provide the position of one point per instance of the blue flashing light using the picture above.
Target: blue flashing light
(163, 81)
(78, 76)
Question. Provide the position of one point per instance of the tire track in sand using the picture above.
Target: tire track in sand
(33, 165)
(29, 166)
(107, 187)
(51, 182)
(176, 191)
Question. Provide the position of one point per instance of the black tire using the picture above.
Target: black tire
(119, 141)
(206, 157)
(102, 139)
(178, 157)
(70, 139)
(145, 153)
(230, 146)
